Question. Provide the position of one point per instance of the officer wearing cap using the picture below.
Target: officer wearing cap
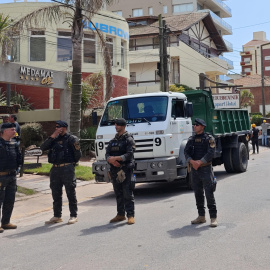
(264, 126)
(10, 161)
(120, 156)
(199, 152)
(255, 138)
(64, 153)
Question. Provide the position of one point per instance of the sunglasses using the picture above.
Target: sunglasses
(57, 126)
(196, 125)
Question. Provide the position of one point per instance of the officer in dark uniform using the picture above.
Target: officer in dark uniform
(199, 152)
(119, 155)
(64, 154)
(10, 161)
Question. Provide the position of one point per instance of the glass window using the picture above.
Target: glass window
(37, 46)
(165, 9)
(109, 44)
(136, 110)
(150, 11)
(64, 46)
(118, 12)
(247, 69)
(267, 68)
(178, 108)
(123, 54)
(199, 7)
(137, 12)
(89, 48)
(182, 8)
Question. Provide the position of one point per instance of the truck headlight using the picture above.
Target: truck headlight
(99, 137)
(153, 165)
(103, 167)
(160, 164)
(97, 168)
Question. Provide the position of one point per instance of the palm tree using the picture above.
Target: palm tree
(5, 25)
(77, 11)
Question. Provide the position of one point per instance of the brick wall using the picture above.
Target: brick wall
(257, 92)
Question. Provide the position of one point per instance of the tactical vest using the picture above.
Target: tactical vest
(8, 156)
(62, 150)
(200, 146)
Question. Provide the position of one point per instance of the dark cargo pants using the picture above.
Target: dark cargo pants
(124, 194)
(59, 177)
(8, 189)
(202, 182)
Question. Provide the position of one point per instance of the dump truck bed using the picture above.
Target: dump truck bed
(219, 121)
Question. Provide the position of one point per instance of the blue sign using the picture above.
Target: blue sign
(108, 29)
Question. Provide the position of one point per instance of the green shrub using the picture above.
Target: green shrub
(256, 119)
(88, 146)
(32, 134)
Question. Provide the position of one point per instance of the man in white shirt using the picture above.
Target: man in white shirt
(264, 126)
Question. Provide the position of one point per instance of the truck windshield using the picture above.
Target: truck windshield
(136, 110)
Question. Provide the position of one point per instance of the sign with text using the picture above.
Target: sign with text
(226, 101)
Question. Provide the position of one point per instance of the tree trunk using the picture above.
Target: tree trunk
(76, 92)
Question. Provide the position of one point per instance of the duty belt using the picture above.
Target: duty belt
(204, 164)
(61, 165)
(7, 173)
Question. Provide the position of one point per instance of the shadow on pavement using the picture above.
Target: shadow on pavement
(189, 231)
(103, 228)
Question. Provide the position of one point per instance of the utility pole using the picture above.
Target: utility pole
(262, 78)
(163, 37)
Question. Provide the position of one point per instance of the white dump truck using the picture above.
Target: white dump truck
(161, 124)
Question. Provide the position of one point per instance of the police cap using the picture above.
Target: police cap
(120, 122)
(7, 125)
(200, 122)
(62, 123)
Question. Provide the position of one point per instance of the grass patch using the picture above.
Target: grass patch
(81, 172)
(26, 191)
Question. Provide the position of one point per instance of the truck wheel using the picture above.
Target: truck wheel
(227, 159)
(240, 158)
(189, 181)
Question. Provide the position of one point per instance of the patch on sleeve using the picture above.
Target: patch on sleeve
(77, 145)
(212, 143)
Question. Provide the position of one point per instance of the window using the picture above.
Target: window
(123, 54)
(64, 46)
(13, 52)
(247, 69)
(132, 76)
(247, 60)
(89, 48)
(165, 9)
(182, 8)
(267, 58)
(178, 108)
(150, 11)
(199, 7)
(137, 12)
(37, 46)
(109, 44)
(267, 68)
(118, 12)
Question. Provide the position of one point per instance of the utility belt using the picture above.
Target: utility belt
(204, 164)
(7, 173)
(61, 165)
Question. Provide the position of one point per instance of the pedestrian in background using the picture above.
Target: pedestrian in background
(5, 120)
(120, 156)
(64, 154)
(264, 126)
(199, 152)
(10, 161)
(13, 119)
(255, 138)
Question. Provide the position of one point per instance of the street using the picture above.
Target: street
(162, 237)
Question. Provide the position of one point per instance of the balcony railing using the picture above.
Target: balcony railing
(228, 45)
(221, 3)
(230, 62)
(138, 83)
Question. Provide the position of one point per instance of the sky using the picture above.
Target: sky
(247, 17)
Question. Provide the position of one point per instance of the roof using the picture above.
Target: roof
(180, 23)
(252, 81)
(256, 42)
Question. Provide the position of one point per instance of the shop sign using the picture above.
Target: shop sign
(226, 101)
(45, 77)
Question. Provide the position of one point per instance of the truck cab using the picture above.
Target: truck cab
(160, 124)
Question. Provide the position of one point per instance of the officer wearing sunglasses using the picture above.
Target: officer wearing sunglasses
(199, 152)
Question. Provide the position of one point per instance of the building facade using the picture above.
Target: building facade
(48, 46)
(256, 53)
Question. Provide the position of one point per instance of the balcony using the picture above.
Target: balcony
(228, 45)
(230, 62)
(225, 28)
(218, 5)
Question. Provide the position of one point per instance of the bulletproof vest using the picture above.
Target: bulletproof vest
(8, 156)
(62, 151)
(200, 144)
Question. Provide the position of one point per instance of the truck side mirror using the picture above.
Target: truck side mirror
(189, 109)
(94, 118)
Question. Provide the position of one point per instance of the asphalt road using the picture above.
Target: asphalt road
(162, 237)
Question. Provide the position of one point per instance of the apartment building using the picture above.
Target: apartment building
(255, 53)
(216, 8)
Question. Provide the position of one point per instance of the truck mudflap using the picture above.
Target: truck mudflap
(146, 170)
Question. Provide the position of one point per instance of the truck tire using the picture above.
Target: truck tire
(240, 158)
(227, 159)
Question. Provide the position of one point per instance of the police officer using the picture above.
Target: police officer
(10, 161)
(119, 155)
(64, 154)
(199, 152)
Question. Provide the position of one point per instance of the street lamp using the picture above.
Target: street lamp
(262, 78)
